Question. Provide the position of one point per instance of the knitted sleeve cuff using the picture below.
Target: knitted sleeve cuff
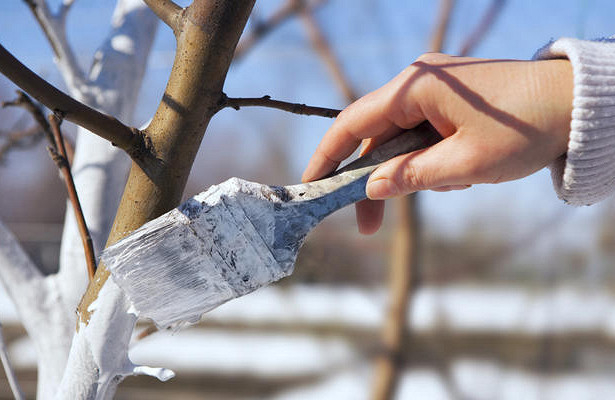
(586, 174)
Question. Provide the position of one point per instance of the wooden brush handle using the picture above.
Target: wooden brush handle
(420, 137)
(347, 184)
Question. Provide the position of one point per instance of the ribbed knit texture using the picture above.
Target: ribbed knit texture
(586, 174)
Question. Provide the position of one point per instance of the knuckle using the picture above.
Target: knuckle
(412, 178)
(430, 58)
(344, 114)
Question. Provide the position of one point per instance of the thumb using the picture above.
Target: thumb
(447, 163)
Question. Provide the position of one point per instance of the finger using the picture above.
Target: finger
(369, 215)
(380, 113)
(450, 188)
(362, 118)
(449, 162)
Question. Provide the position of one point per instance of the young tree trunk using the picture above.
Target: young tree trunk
(207, 33)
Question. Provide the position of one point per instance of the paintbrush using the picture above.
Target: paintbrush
(235, 237)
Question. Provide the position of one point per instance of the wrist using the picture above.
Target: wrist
(554, 94)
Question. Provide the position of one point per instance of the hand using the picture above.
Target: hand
(500, 119)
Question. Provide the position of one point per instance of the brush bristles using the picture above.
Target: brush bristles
(192, 259)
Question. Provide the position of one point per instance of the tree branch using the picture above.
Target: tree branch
(262, 28)
(190, 100)
(167, 11)
(267, 101)
(20, 139)
(36, 132)
(128, 139)
(25, 102)
(482, 28)
(320, 44)
(54, 28)
(436, 43)
(64, 9)
(58, 155)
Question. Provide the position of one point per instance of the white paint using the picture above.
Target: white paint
(47, 305)
(98, 356)
(40, 304)
(223, 255)
(123, 44)
(101, 347)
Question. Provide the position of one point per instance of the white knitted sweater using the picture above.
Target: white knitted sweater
(586, 174)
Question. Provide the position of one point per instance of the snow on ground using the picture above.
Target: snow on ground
(260, 354)
(470, 379)
(463, 308)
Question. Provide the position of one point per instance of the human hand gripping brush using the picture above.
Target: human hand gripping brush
(235, 237)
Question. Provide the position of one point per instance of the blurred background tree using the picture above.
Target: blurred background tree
(515, 297)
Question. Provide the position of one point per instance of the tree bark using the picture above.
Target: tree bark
(206, 39)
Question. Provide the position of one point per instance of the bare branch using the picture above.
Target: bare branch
(129, 139)
(58, 155)
(25, 102)
(261, 29)
(54, 28)
(31, 136)
(167, 11)
(320, 44)
(8, 369)
(267, 101)
(436, 43)
(64, 9)
(482, 28)
(20, 139)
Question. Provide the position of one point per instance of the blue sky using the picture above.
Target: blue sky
(374, 40)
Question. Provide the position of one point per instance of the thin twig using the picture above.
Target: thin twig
(321, 45)
(129, 139)
(24, 101)
(482, 28)
(54, 28)
(436, 43)
(58, 154)
(261, 29)
(20, 139)
(64, 9)
(167, 11)
(267, 101)
(8, 369)
(15, 139)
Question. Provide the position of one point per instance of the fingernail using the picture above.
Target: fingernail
(381, 189)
